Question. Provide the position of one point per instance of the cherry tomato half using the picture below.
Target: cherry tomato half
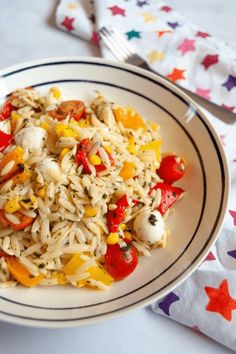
(172, 168)
(121, 261)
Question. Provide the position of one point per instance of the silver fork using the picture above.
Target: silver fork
(122, 50)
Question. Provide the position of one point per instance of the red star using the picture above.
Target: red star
(210, 257)
(116, 10)
(68, 23)
(176, 74)
(94, 39)
(161, 33)
(202, 34)
(229, 108)
(233, 214)
(210, 60)
(166, 8)
(220, 300)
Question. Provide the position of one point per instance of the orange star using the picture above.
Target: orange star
(161, 33)
(176, 74)
(220, 300)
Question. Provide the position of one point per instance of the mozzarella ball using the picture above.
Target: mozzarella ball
(33, 137)
(50, 170)
(149, 226)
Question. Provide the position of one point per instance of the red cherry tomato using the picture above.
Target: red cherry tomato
(121, 261)
(172, 168)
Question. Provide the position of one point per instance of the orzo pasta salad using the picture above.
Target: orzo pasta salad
(84, 190)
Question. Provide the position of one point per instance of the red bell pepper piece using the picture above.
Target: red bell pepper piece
(102, 167)
(6, 110)
(116, 216)
(81, 154)
(169, 195)
(5, 140)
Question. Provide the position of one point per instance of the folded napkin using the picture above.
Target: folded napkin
(195, 60)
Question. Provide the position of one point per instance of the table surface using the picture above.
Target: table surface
(28, 32)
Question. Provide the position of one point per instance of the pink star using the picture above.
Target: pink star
(116, 10)
(68, 23)
(187, 46)
(203, 93)
(233, 214)
(94, 39)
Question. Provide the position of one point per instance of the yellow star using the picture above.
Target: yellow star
(154, 55)
(72, 5)
(148, 17)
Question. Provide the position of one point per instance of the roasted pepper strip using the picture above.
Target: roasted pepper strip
(21, 274)
(24, 221)
(5, 140)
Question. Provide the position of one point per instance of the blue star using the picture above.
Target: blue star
(141, 3)
(133, 34)
(230, 83)
(173, 24)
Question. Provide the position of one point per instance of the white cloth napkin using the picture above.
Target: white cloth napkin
(192, 58)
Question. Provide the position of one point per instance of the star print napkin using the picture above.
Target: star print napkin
(195, 60)
(171, 44)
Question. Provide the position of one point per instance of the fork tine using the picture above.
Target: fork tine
(119, 41)
(123, 42)
(105, 35)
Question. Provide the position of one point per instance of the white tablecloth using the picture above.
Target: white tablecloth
(27, 32)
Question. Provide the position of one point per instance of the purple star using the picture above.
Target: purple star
(232, 253)
(167, 301)
(230, 83)
(141, 3)
(173, 24)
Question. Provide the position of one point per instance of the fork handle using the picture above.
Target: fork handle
(221, 113)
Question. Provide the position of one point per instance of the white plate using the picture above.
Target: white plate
(194, 224)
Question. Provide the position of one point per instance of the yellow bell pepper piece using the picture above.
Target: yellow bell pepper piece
(65, 131)
(128, 170)
(45, 126)
(128, 236)
(84, 123)
(155, 146)
(55, 92)
(96, 271)
(64, 152)
(40, 190)
(60, 278)
(21, 177)
(90, 211)
(30, 203)
(129, 118)
(11, 206)
(21, 274)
